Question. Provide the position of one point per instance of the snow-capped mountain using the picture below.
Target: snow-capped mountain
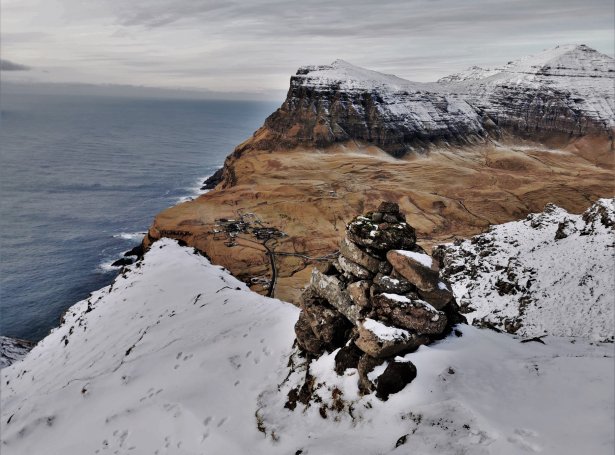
(554, 96)
(179, 357)
(566, 90)
(550, 274)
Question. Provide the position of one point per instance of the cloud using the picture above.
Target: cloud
(235, 45)
(6, 65)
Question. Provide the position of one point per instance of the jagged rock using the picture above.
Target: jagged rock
(602, 212)
(417, 268)
(393, 285)
(439, 297)
(353, 253)
(122, 262)
(380, 340)
(328, 324)
(306, 339)
(332, 290)
(213, 180)
(394, 378)
(365, 366)
(353, 269)
(359, 293)
(564, 229)
(415, 315)
(347, 357)
(136, 251)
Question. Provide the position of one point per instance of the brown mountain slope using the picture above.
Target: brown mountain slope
(309, 194)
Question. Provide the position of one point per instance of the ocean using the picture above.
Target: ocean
(81, 178)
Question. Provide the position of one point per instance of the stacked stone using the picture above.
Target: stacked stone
(381, 298)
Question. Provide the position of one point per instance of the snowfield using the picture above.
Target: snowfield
(552, 273)
(179, 357)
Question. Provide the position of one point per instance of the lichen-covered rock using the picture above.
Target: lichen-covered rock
(326, 322)
(359, 293)
(419, 269)
(353, 269)
(415, 315)
(306, 339)
(387, 283)
(379, 340)
(381, 237)
(332, 290)
(355, 254)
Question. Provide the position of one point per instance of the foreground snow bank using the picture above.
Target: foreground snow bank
(552, 273)
(178, 357)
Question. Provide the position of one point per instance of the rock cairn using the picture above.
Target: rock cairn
(381, 298)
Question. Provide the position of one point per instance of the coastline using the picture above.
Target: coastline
(13, 349)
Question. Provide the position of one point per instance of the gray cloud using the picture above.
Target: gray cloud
(233, 45)
(6, 65)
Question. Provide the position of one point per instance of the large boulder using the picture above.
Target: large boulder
(415, 315)
(379, 340)
(420, 269)
(355, 254)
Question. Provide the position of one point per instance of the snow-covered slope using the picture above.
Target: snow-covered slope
(552, 273)
(178, 357)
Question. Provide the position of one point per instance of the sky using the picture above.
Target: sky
(252, 47)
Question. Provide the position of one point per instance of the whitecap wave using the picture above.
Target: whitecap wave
(195, 190)
(130, 235)
(107, 266)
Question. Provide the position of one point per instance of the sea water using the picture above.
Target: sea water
(81, 178)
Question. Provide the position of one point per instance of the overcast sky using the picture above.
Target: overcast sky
(255, 45)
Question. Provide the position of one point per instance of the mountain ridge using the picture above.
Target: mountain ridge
(546, 96)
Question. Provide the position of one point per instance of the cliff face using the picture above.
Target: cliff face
(556, 96)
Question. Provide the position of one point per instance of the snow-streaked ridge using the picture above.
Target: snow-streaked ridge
(578, 72)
